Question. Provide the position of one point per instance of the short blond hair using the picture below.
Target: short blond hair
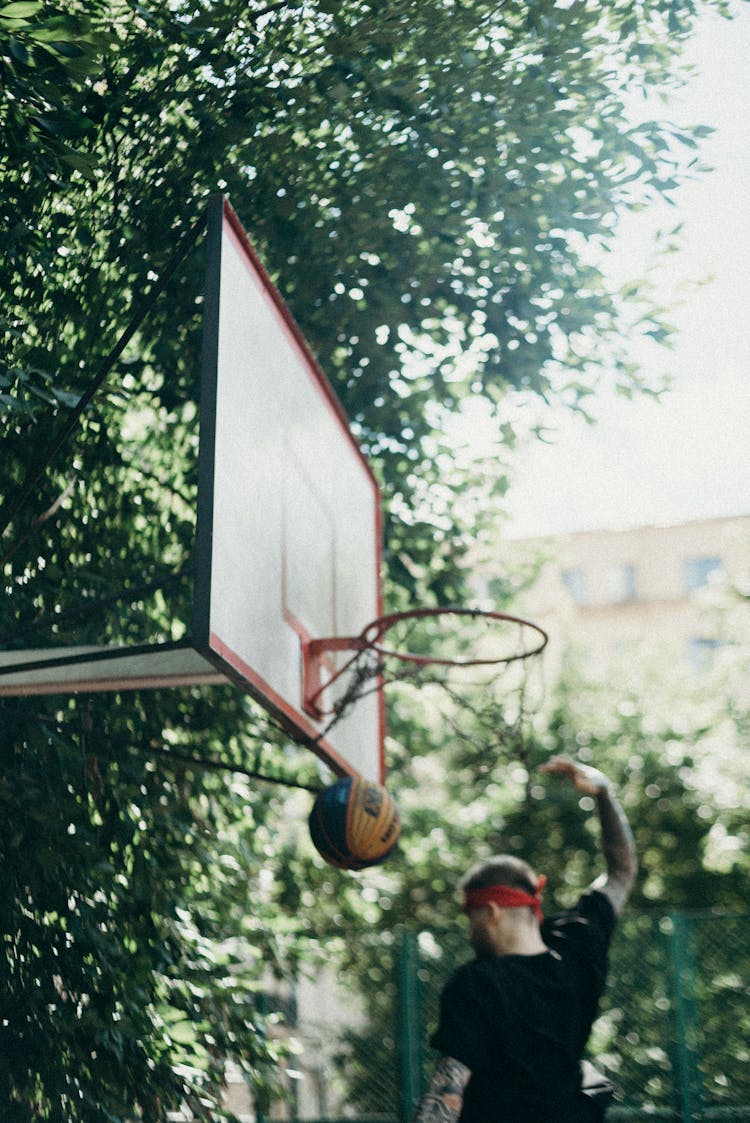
(503, 869)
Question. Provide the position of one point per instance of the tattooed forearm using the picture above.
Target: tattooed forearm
(618, 848)
(443, 1100)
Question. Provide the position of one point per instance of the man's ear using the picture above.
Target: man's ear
(494, 910)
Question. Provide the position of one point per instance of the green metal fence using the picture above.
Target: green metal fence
(674, 1032)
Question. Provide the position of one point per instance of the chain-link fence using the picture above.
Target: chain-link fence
(674, 1032)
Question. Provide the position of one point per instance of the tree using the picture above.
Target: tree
(422, 183)
(394, 187)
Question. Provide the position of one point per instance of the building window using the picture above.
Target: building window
(697, 571)
(620, 584)
(574, 581)
(701, 652)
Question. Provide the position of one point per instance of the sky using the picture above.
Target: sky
(688, 456)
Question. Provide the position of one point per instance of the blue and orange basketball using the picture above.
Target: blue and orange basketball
(354, 823)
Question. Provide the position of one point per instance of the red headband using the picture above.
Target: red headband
(506, 897)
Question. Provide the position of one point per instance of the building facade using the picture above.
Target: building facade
(673, 591)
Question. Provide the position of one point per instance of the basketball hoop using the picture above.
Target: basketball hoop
(373, 635)
(376, 660)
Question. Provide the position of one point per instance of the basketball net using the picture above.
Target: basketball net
(476, 671)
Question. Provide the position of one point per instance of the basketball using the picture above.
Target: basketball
(354, 823)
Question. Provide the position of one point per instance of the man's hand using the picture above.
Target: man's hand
(582, 776)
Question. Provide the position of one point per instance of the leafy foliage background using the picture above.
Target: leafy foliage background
(429, 186)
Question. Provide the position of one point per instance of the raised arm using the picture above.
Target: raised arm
(444, 1098)
(617, 843)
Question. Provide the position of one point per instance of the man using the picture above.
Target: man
(515, 1020)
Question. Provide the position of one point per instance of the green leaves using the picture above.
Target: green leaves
(44, 56)
(21, 10)
(115, 914)
(421, 180)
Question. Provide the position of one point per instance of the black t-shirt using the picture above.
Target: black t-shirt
(520, 1023)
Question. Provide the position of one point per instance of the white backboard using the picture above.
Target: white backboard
(288, 544)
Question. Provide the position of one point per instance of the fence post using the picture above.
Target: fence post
(685, 978)
(262, 1009)
(408, 1027)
